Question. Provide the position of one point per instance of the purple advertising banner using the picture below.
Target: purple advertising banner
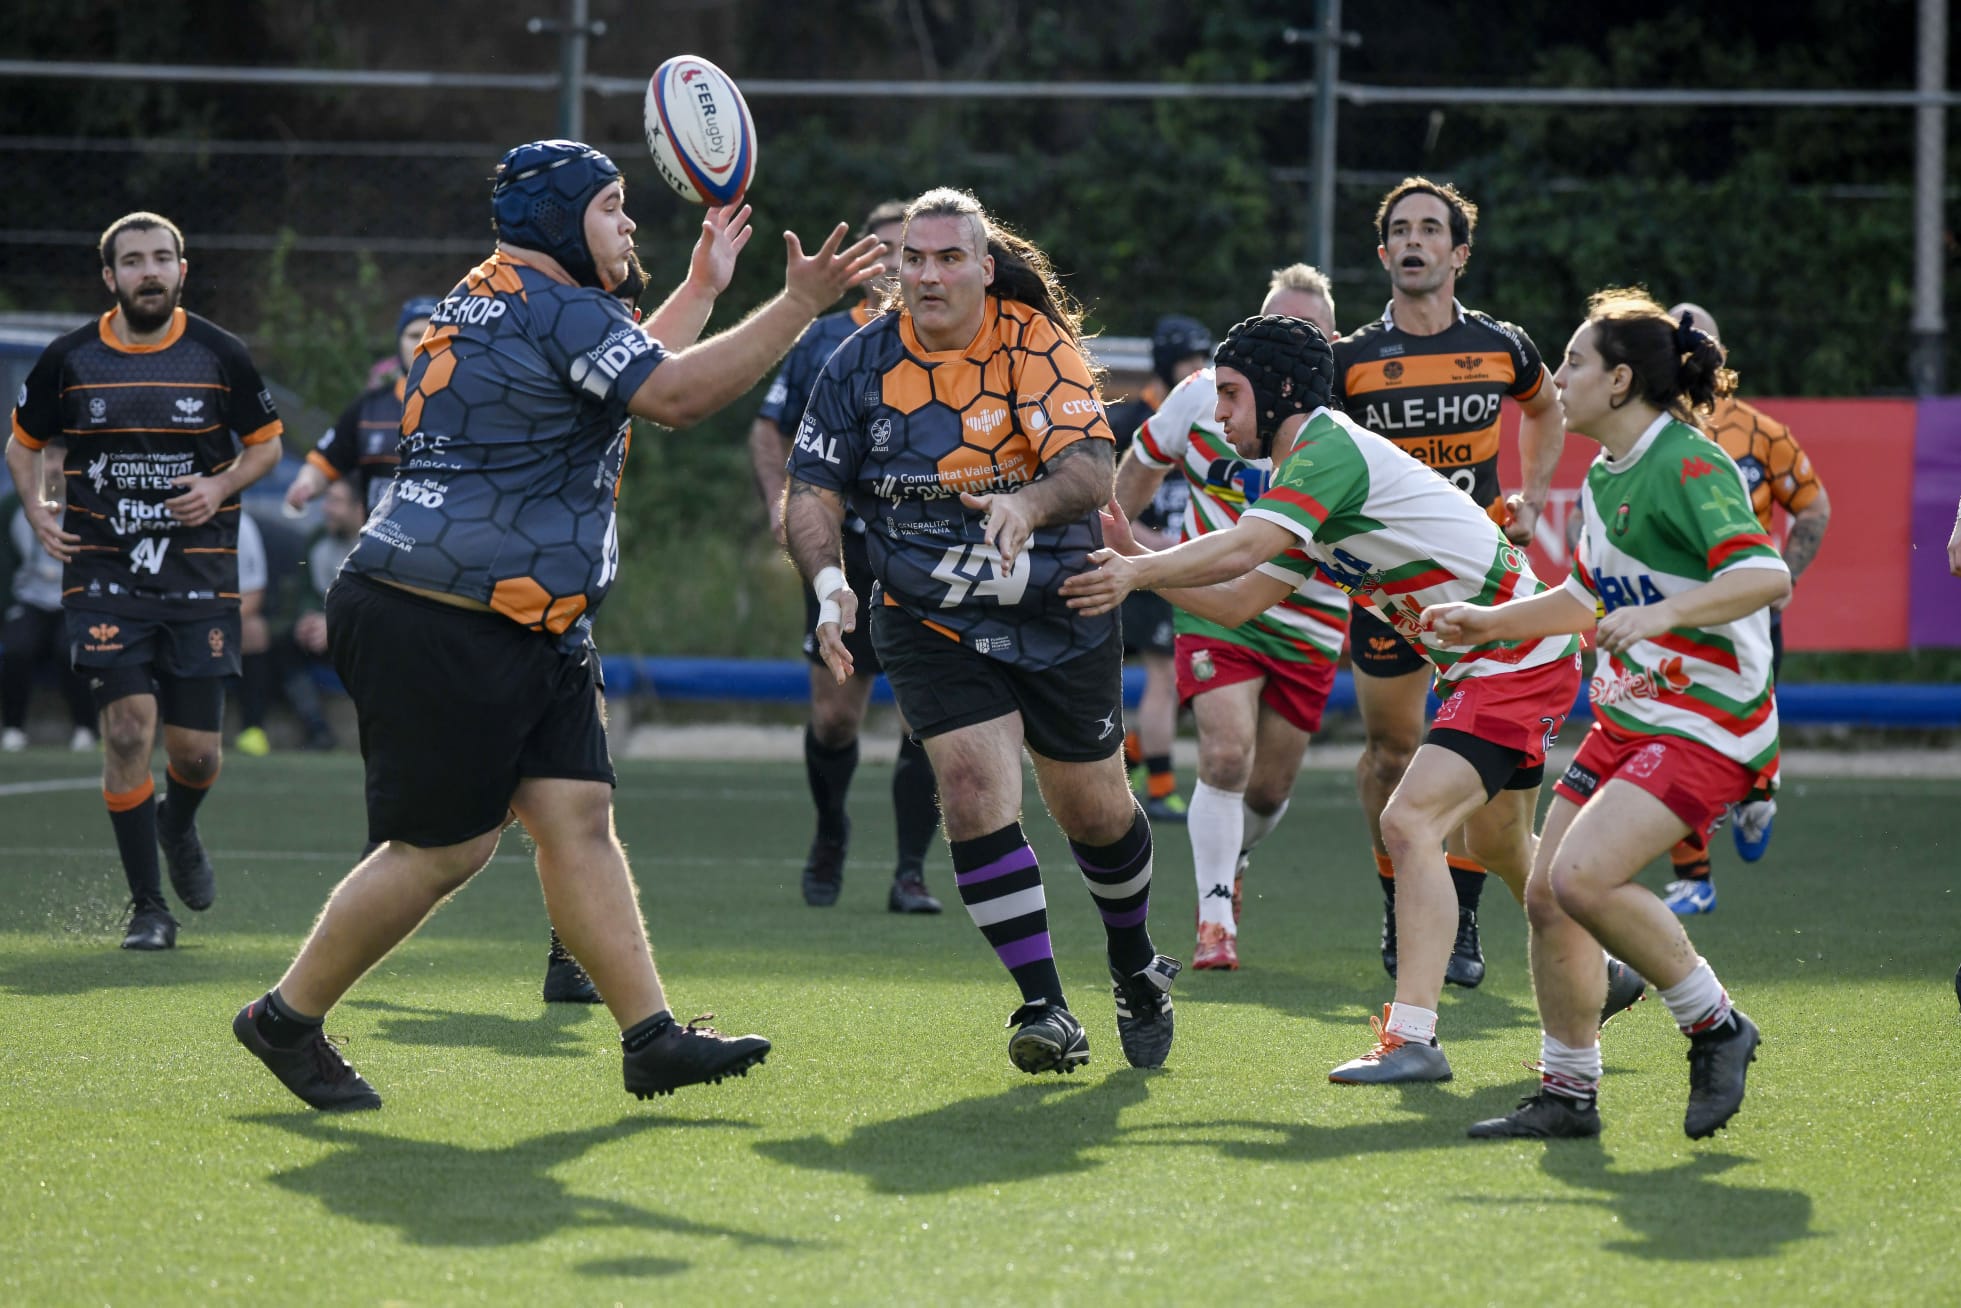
(1934, 606)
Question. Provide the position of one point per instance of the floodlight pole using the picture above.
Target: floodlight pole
(1328, 39)
(1927, 362)
(573, 31)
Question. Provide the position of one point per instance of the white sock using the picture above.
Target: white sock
(1416, 1025)
(1216, 821)
(1698, 1001)
(1259, 827)
(1567, 1071)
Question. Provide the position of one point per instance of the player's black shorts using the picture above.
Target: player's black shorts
(455, 708)
(1147, 625)
(1776, 644)
(1376, 649)
(1072, 713)
(858, 576)
(181, 661)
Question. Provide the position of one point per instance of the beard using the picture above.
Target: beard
(635, 281)
(142, 318)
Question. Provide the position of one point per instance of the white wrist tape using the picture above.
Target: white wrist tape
(825, 587)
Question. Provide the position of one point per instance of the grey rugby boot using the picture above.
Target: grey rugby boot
(1393, 1060)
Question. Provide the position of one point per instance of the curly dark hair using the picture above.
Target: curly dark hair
(1463, 214)
(1678, 368)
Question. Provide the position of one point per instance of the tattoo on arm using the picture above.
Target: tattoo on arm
(1801, 546)
(813, 522)
(1075, 483)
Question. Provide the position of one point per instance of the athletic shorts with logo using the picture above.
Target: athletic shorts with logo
(1693, 781)
(1504, 724)
(183, 662)
(1377, 649)
(1072, 712)
(456, 707)
(858, 576)
(1296, 689)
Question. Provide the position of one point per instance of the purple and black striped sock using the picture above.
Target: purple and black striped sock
(1001, 885)
(1119, 876)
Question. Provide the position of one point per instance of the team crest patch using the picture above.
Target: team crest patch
(1392, 371)
(881, 433)
(1622, 516)
(98, 409)
(216, 639)
(1447, 711)
(1646, 760)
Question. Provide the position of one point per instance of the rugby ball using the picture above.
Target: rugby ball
(699, 131)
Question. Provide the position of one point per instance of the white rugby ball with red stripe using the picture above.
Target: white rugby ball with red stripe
(699, 131)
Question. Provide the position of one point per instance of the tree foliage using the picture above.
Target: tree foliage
(1793, 226)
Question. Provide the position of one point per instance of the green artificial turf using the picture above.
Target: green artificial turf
(888, 1152)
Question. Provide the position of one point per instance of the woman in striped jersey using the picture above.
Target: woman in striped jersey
(1672, 575)
(1348, 506)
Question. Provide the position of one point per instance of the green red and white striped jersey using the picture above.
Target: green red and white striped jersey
(1670, 515)
(1398, 537)
(1183, 434)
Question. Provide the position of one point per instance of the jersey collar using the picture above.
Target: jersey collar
(106, 328)
(1389, 312)
(990, 311)
(1639, 448)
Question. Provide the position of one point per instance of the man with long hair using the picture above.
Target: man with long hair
(966, 429)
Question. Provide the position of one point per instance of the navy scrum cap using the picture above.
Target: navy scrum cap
(422, 306)
(1286, 361)
(1177, 337)
(539, 197)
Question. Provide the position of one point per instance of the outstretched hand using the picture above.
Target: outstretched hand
(1095, 593)
(1458, 625)
(723, 234)
(817, 280)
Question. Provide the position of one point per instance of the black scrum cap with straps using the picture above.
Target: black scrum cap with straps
(1286, 361)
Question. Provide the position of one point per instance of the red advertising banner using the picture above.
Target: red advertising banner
(1854, 596)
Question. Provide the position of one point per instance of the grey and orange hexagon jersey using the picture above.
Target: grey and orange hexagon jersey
(514, 433)
(901, 430)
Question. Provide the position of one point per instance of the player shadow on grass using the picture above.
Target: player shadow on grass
(91, 968)
(1431, 1117)
(558, 1035)
(457, 1196)
(1465, 1015)
(1037, 1129)
(1681, 1213)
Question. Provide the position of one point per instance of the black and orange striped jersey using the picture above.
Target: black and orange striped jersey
(362, 442)
(900, 431)
(1438, 396)
(133, 419)
(514, 434)
(1772, 462)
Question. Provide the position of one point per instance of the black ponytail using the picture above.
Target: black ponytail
(1678, 368)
